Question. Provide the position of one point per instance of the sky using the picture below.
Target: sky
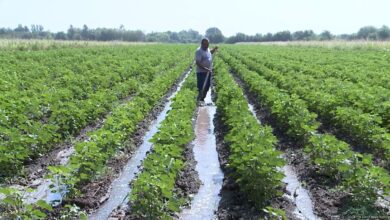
(231, 17)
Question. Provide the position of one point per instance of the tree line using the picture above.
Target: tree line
(100, 34)
(364, 33)
(186, 36)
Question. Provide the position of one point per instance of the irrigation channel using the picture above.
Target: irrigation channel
(120, 188)
(296, 193)
(206, 201)
(53, 192)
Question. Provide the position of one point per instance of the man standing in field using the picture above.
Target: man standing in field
(204, 68)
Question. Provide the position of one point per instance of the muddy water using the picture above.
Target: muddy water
(297, 194)
(43, 191)
(64, 155)
(304, 205)
(205, 202)
(52, 195)
(120, 188)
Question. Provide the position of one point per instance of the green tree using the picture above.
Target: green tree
(304, 35)
(71, 32)
(21, 29)
(239, 37)
(326, 35)
(85, 33)
(60, 36)
(268, 37)
(157, 37)
(282, 36)
(189, 36)
(214, 35)
(366, 32)
(174, 37)
(384, 33)
(108, 34)
(258, 37)
(37, 31)
(133, 36)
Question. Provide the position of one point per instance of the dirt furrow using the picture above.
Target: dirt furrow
(118, 186)
(327, 202)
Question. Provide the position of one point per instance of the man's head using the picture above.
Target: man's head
(204, 43)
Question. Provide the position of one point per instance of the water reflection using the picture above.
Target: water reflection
(205, 202)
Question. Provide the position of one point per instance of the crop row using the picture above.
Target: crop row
(50, 95)
(255, 161)
(90, 157)
(364, 128)
(153, 194)
(358, 66)
(355, 173)
(360, 95)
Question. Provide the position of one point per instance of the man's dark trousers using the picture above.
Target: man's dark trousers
(201, 77)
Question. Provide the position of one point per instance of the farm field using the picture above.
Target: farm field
(98, 131)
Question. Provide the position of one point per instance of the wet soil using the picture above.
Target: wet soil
(188, 182)
(97, 191)
(38, 168)
(205, 202)
(356, 145)
(233, 204)
(115, 165)
(327, 201)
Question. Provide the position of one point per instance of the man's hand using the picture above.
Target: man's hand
(208, 69)
(212, 51)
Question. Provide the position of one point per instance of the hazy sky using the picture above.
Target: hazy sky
(246, 16)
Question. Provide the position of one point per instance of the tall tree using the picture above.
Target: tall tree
(282, 36)
(85, 33)
(214, 35)
(60, 36)
(366, 32)
(326, 35)
(304, 35)
(384, 33)
(71, 32)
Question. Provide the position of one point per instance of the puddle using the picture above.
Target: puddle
(205, 202)
(120, 188)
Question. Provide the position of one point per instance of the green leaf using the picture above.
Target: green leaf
(83, 216)
(39, 214)
(42, 204)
